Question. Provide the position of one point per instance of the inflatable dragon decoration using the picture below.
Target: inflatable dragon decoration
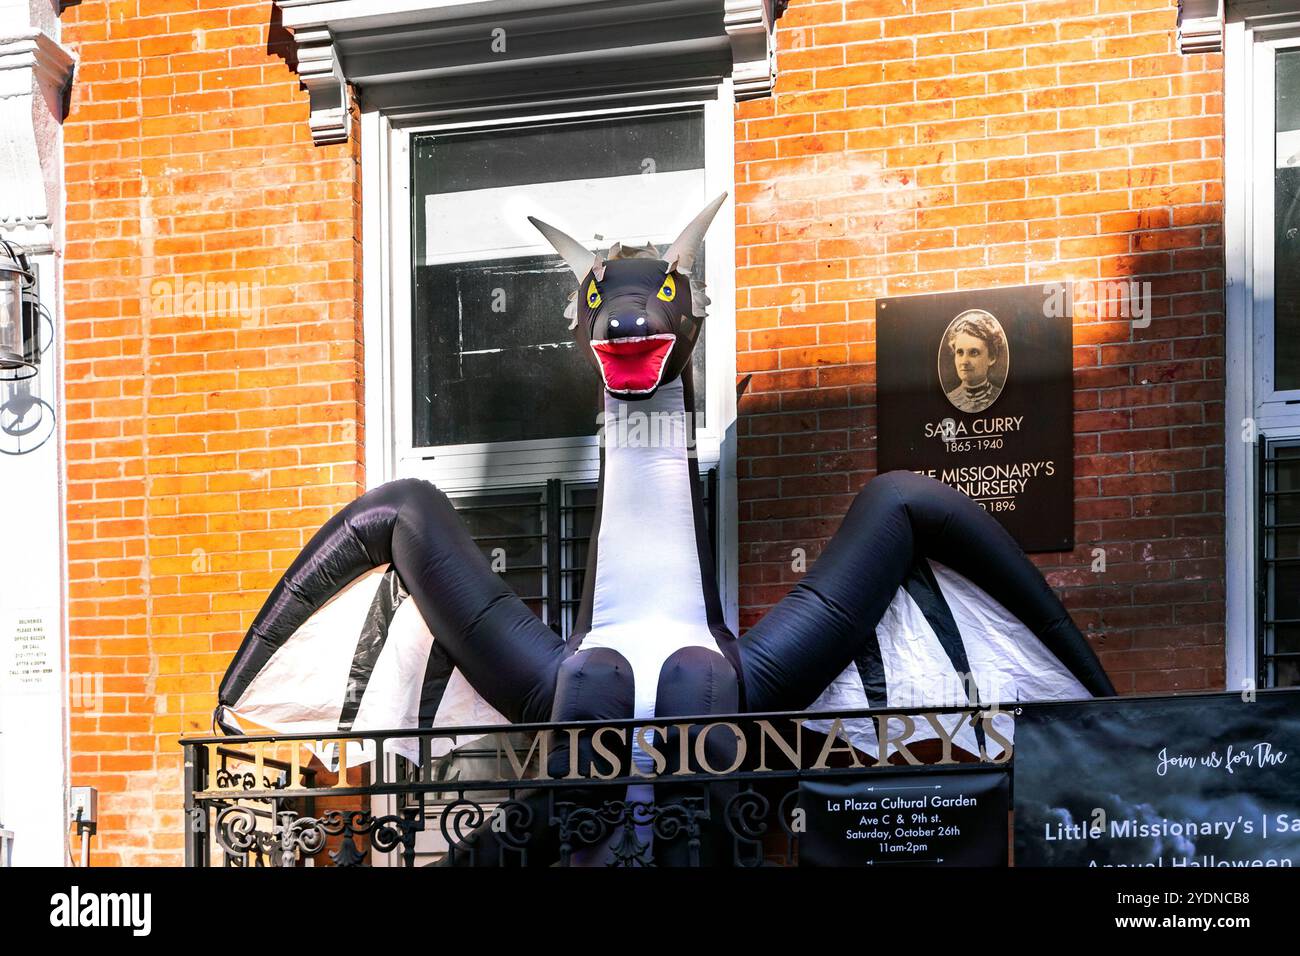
(391, 616)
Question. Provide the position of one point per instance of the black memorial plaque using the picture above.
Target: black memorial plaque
(975, 389)
(894, 819)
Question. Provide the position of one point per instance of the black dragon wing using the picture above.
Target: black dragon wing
(390, 617)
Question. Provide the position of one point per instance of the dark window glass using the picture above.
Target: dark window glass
(1286, 249)
(551, 152)
(492, 357)
(510, 375)
(1279, 633)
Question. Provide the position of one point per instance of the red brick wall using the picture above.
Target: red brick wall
(207, 438)
(918, 146)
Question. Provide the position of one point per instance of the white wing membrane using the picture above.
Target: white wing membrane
(306, 685)
(1007, 663)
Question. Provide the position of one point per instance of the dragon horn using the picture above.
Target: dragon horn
(580, 259)
(681, 254)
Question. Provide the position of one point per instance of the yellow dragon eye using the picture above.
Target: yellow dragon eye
(593, 295)
(668, 290)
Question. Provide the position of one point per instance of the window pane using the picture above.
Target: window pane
(1285, 588)
(580, 514)
(492, 357)
(1279, 629)
(551, 152)
(482, 375)
(1286, 257)
(508, 528)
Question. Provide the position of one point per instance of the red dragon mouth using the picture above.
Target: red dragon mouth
(633, 365)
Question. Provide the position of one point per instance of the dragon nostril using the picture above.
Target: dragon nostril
(627, 324)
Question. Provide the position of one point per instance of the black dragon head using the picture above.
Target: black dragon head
(636, 315)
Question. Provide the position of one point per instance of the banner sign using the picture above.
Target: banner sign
(1200, 781)
(976, 389)
(890, 819)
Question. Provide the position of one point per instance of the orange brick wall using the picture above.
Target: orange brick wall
(207, 438)
(910, 147)
(918, 146)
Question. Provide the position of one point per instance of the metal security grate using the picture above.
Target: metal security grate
(537, 539)
(1278, 582)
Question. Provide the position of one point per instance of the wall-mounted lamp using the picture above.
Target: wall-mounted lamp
(20, 339)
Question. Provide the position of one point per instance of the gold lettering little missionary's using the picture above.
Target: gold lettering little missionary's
(609, 743)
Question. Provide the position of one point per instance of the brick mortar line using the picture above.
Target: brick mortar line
(1000, 137)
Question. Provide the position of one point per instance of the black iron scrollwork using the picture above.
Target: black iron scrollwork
(237, 833)
(458, 820)
(581, 826)
(386, 833)
(297, 836)
(227, 779)
(746, 820)
(293, 838)
(516, 827)
(393, 831)
(233, 780)
(628, 849)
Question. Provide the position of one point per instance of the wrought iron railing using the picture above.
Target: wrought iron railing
(262, 800)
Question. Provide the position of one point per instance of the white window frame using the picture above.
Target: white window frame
(386, 276)
(1253, 408)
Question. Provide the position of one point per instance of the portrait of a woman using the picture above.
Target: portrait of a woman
(974, 352)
